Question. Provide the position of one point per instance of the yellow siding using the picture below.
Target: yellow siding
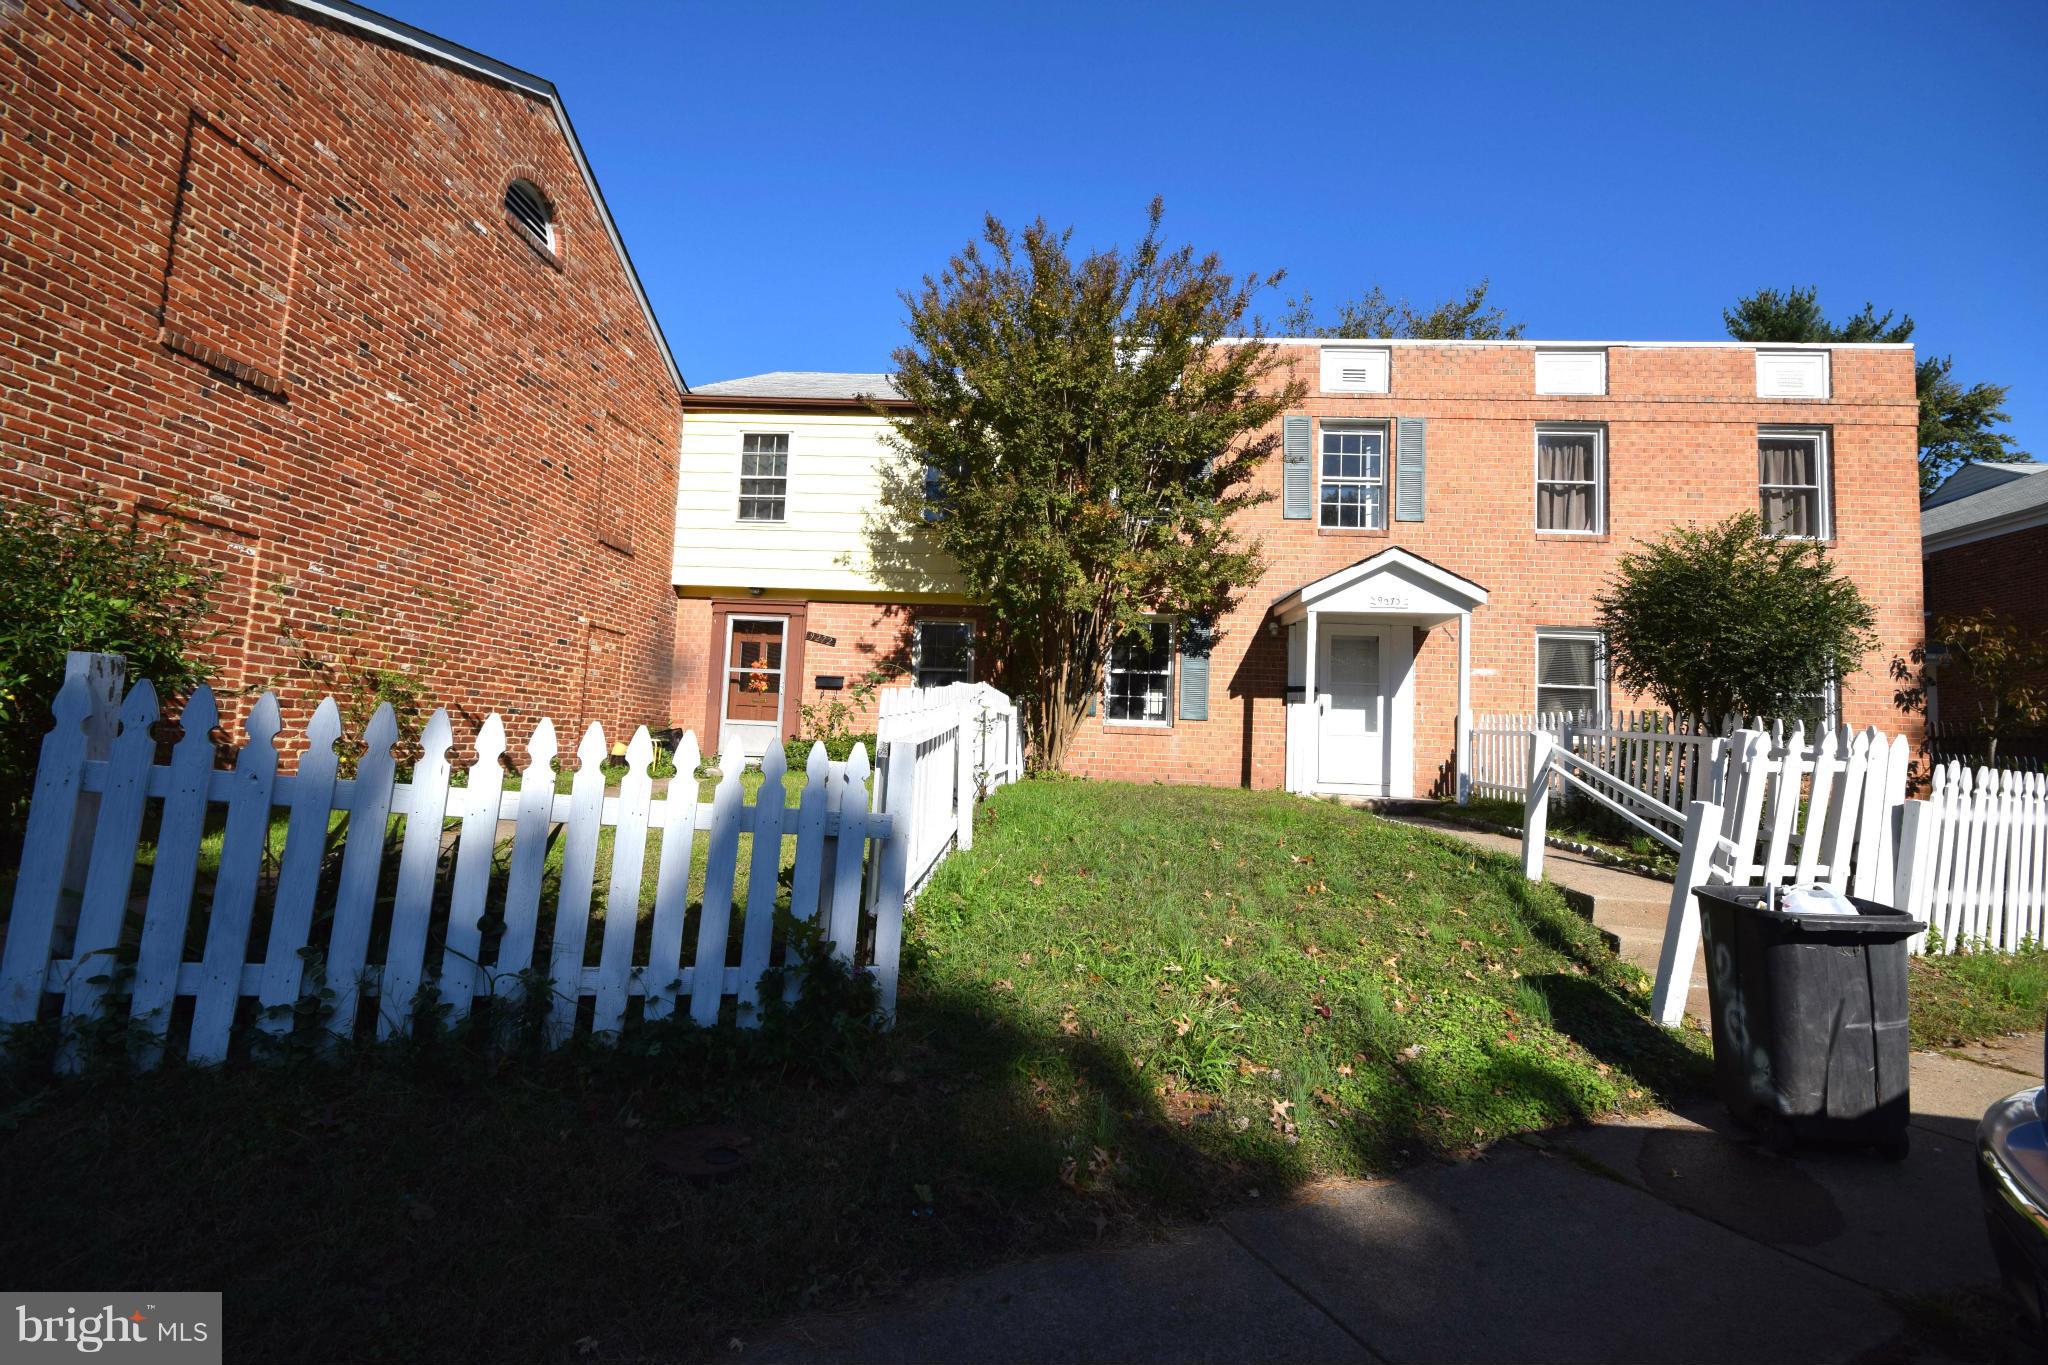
(835, 464)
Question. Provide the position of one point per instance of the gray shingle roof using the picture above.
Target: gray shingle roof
(1999, 500)
(804, 384)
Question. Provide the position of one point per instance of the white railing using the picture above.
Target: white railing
(1673, 758)
(69, 922)
(1974, 858)
(967, 742)
(1783, 812)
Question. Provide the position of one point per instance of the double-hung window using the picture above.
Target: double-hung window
(942, 652)
(1141, 675)
(1571, 477)
(764, 476)
(1571, 673)
(1792, 482)
(1354, 476)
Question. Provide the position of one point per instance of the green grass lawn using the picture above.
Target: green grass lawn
(1579, 821)
(1966, 997)
(1125, 1008)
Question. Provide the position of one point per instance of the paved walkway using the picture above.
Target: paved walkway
(1670, 1237)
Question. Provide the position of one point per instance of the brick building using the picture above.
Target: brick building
(1984, 540)
(1444, 514)
(342, 301)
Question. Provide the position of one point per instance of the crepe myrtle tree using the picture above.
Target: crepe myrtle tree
(1081, 437)
(1723, 620)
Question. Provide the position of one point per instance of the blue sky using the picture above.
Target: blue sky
(1624, 171)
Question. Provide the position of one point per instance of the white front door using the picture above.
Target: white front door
(752, 715)
(1351, 748)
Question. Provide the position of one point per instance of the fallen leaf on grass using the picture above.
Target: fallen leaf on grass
(1181, 1026)
(1412, 1051)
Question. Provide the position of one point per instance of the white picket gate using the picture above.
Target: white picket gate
(847, 858)
(1977, 868)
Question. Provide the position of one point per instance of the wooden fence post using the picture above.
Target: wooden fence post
(39, 887)
(894, 871)
(1682, 924)
(1536, 809)
(105, 678)
(963, 772)
(1912, 880)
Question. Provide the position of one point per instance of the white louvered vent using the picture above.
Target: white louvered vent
(1571, 372)
(1792, 374)
(1355, 369)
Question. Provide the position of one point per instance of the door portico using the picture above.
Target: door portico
(1351, 672)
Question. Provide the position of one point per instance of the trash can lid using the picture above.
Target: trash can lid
(1871, 920)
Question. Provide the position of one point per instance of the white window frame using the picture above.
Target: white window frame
(1599, 688)
(1599, 434)
(1346, 427)
(1830, 698)
(1823, 472)
(917, 645)
(1109, 669)
(1371, 366)
(743, 498)
(1556, 368)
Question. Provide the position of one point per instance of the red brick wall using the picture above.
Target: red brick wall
(1681, 446)
(2001, 574)
(256, 277)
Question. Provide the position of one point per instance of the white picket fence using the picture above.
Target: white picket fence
(967, 742)
(849, 876)
(1982, 846)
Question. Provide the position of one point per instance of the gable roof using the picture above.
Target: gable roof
(398, 33)
(798, 391)
(1974, 477)
(806, 384)
(1455, 587)
(1998, 506)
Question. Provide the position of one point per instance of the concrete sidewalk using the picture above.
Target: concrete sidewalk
(1666, 1238)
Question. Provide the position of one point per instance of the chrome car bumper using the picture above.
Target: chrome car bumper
(2012, 1167)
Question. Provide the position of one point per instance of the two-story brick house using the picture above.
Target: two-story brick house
(1444, 515)
(341, 301)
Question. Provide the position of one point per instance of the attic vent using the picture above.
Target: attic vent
(529, 208)
(1354, 369)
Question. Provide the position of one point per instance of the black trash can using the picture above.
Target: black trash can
(1809, 1018)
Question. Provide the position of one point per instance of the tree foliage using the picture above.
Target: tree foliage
(1467, 317)
(2003, 661)
(1956, 422)
(86, 578)
(1080, 441)
(1721, 620)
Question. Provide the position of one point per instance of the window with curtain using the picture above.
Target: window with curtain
(1792, 480)
(1570, 475)
(1141, 674)
(764, 476)
(1354, 492)
(1569, 673)
(943, 652)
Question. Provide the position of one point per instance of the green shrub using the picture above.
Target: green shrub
(89, 578)
(837, 747)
